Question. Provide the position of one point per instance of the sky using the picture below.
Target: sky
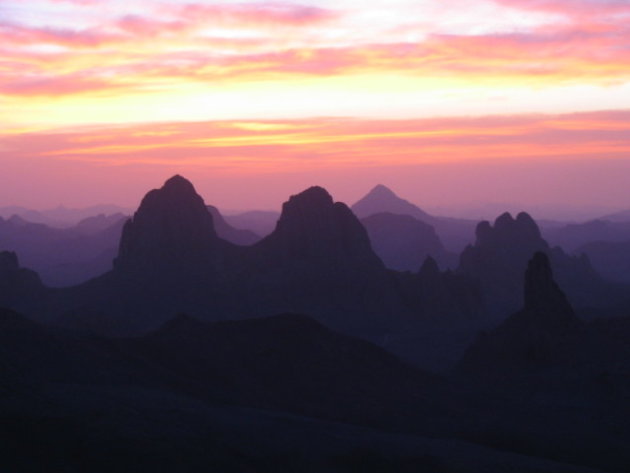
(449, 103)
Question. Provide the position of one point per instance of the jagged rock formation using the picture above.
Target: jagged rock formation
(404, 242)
(319, 260)
(228, 232)
(313, 228)
(441, 298)
(172, 231)
(532, 336)
(500, 255)
(16, 284)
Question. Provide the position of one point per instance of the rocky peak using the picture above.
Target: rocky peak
(8, 261)
(544, 298)
(429, 269)
(313, 226)
(507, 230)
(171, 227)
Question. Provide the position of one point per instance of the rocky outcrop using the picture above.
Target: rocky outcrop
(314, 229)
(500, 255)
(533, 336)
(172, 231)
(16, 284)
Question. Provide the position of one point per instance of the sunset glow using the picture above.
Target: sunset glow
(117, 93)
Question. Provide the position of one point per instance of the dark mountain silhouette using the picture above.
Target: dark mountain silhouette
(319, 260)
(16, 283)
(500, 255)
(287, 362)
(403, 242)
(230, 233)
(455, 234)
(171, 233)
(448, 310)
(312, 226)
(532, 335)
(189, 396)
(64, 256)
(564, 370)
(261, 222)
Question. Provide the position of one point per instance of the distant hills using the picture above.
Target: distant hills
(64, 256)
(61, 216)
(454, 233)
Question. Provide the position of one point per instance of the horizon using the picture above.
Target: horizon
(472, 211)
(522, 102)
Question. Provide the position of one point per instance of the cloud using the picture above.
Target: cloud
(53, 86)
(267, 13)
(12, 33)
(572, 8)
(282, 146)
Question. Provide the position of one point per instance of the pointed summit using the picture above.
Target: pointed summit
(382, 199)
(382, 191)
(543, 296)
(530, 337)
(172, 228)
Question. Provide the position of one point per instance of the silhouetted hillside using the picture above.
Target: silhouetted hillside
(319, 260)
(16, 283)
(544, 381)
(533, 335)
(66, 256)
(171, 235)
(500, 255)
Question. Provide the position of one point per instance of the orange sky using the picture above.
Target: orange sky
(101, 100)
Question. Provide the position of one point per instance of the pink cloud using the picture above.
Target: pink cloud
(573, 8)
(24, 35)
(255, 13)
(51, 86)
